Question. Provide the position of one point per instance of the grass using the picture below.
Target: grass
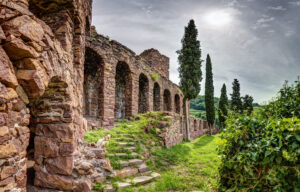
(187, 166)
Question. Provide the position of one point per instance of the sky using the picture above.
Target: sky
(255, 41)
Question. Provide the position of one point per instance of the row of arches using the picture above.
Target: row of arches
(94, 86)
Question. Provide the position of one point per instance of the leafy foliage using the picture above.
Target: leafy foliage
(248, 104)
(236, 101)
(189, 58)
(261, 152)
(223, 106)
(209, 93)
(155, 76)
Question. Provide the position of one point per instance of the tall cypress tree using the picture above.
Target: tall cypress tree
(189, 58)
(248, 104)
(236, 101)
(209, 94)
(223, 106)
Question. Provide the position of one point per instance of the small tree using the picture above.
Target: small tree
(236, 101)
(223, 106)
(248, 104)
(209, 94)
(190, 73)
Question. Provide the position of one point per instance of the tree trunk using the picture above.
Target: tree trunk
(187, 122)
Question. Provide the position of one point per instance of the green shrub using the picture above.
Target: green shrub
(155, 76)
(262, 152)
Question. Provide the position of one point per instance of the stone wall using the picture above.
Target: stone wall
(175, 131)
(56, 72)
(41, 87)
(129, 86)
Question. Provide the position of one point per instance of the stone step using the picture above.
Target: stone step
(108, 188)
(131, 162)
(142, 180)
(133, 155)
(143, 168)
(126, 172)
(122, 149)
(130, 148)
(155, 175)
(123, 185)
(126, 144)
(123, 139)
(135, 162)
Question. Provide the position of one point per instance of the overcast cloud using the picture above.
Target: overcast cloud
(260, 44)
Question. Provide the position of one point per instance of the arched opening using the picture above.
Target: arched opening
(123, 91)
(167, 100)
(195, 125)
(93, 85)
(177, 103)
(156, 97)
(51, 125)
(143, 94)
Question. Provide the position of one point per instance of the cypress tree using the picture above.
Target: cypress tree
(236, 101)
(248, 104)
(223, 106)
(189, 58)
(209, 94)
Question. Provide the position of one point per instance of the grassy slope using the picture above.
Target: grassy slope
(186, 167)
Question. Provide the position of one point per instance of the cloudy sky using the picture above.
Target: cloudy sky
(255, 41)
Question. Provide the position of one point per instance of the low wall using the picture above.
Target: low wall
(175, 131)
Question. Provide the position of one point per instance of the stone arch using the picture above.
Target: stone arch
(123, 91)
(143, 94)
(52, 135)
(156, 97)
(177, 103)
(93, 85)
(167, 100)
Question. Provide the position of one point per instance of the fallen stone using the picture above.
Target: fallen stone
(142, 180)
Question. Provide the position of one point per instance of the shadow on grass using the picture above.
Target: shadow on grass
(203, 141)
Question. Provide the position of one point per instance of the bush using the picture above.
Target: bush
(262, 152)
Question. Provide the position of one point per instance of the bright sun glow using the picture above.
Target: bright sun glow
(218, 18)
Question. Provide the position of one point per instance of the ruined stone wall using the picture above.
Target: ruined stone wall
(139, 96)
(41, 87)
(157, 61)
(175, 131)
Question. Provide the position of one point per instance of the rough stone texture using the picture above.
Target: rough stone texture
(55, 71)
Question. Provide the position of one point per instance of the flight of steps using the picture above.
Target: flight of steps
(134, 170)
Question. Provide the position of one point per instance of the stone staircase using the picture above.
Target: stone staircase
(131, 167)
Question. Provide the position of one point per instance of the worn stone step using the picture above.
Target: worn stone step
(124, 163)
(123, 185)
(126, 144)
(130, 148)
(142, 180)
(155, 175)
(108, 188)
(135, 162)
(143, 168)
(123, 139)
(127, 172)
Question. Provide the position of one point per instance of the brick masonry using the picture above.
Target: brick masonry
(57, 75)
